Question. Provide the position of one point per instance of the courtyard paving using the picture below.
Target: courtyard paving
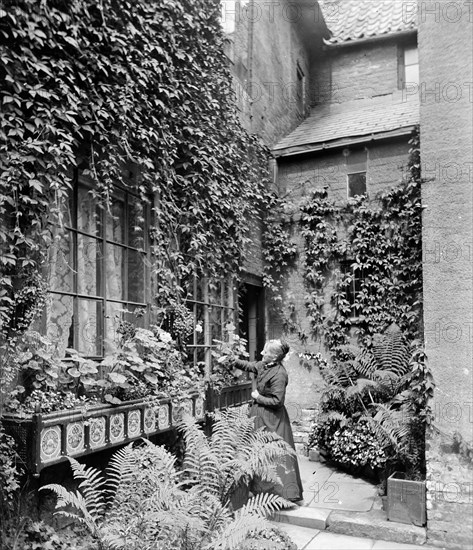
(342, 512)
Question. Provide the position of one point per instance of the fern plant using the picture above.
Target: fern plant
(144, 503)
(89, 500)
(386, 387)
(236, 454)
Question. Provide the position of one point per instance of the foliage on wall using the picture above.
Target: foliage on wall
(361, 265)
(100, 86)
(380, 241)
(279, 248)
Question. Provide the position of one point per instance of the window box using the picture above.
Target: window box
(406, 502)
(47, 439)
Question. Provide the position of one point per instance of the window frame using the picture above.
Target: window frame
(356, 164)
(348, 184)
(402, 65)
(104, 324)
(348, 266)
(207, 303)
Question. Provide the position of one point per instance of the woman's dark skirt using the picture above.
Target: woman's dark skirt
(277, 420)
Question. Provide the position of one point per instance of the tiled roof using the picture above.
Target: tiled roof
(329, 124)
(351, 20)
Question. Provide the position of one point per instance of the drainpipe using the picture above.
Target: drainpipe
(251, 27)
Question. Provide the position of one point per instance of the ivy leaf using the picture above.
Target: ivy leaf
(117, 378)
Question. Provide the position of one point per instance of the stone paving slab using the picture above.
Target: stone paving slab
(313, 472)
(301, 536)
(312, 539)
(330, 541)
(389, 545)
(342, 477)
(356, 497)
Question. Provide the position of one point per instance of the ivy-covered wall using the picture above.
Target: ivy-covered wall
(297, 180)
(120, 83)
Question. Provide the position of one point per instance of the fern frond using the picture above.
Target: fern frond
(76, 500)
(392, 427)
(365, 363)
(120, 468)
(237, 531)
(93, 487)
(391, 351)
(263, 505)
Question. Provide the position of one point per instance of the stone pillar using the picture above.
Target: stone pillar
(446, 100)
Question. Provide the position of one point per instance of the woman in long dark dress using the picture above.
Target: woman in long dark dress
(269, 410)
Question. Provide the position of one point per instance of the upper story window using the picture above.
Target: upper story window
(98, 271)
(408, 70)
(356, 173)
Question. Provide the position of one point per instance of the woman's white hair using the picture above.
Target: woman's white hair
(279, 348)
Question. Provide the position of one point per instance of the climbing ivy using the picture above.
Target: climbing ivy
(319, 216)
(381, 242)
(98, 86)
(279, 247)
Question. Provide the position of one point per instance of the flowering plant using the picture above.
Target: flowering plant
(354, 445)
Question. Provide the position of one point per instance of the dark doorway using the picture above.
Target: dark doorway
(251, 321)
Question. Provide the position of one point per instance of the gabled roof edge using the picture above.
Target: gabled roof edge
(330, 46)
(341, 142)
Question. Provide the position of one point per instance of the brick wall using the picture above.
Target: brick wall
(356, 72)
(445, 55)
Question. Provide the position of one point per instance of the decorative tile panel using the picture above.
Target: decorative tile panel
(117, 427)
(97, 432)
(187, 406)
(163, 416)
(134, 423)
(180, 409)
(150, 420)
(199, 407)
(50, 443)
(74, 438)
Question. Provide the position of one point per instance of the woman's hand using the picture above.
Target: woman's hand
(255, 394)
(226, 360)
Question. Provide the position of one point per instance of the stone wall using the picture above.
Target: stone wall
(446, 97)
(268, 47)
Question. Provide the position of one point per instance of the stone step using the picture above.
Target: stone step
(302, 429)
(300, 438)
(374, 525)
(313, 518)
